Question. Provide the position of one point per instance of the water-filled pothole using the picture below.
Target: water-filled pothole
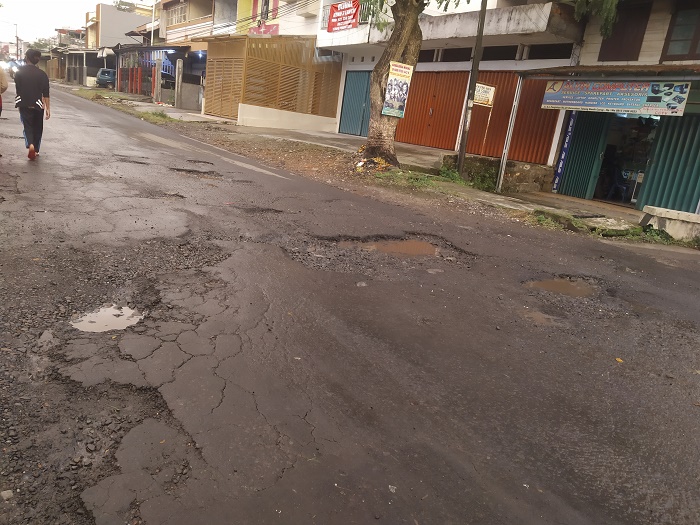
(107, 318)
(563, 286)
(406, 248)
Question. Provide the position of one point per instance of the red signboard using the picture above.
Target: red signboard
(344, 15)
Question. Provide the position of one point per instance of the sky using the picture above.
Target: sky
(40, 18)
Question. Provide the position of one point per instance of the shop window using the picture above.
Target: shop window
(683, 38)
(625, 42)
(426, 55)
(550, 51)
(456, 54)
(500, 53)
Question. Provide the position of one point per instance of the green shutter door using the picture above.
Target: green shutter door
(585, 154)
(673, 179)
(354, 115)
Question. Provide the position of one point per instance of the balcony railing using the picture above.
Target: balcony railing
(364, 14)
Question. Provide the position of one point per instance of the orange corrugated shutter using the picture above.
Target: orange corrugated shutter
(434, 109)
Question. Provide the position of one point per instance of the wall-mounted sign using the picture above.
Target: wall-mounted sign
(344, 15)
(639, 98)
(484, 94)
(397, 89)
(564, 153)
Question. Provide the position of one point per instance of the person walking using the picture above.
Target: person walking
(32, 100)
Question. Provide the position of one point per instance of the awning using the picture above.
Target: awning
(621, 72)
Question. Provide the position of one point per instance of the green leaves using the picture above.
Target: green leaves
(606, 10)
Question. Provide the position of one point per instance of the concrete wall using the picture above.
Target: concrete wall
(114, 24)
(260, 117)
(225, 11)
(199, 8)
(191, 97)
(652, 45)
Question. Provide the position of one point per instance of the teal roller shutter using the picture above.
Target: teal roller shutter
(354, 115)
(673, 180)
(585, 154)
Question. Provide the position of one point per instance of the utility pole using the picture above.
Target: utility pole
(471, 89)
(153, 20)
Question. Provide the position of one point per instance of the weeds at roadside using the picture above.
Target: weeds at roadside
(155, 117)
(411, 179)
(482, 178)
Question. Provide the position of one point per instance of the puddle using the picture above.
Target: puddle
(540, 318)
(408, 248)
(563, 286)
(107, 318)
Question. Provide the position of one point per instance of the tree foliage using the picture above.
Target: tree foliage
(42, 43)
(123, 5)
(606, 10)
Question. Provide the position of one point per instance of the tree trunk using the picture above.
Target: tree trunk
(403, 46)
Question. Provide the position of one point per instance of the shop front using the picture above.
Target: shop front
(631, 137)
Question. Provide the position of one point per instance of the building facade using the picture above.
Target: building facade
(645, 155)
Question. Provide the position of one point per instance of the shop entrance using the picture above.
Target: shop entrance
(609, 156)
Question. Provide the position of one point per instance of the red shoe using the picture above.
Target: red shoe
(32, 153)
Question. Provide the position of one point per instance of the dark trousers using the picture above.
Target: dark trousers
(33, 122)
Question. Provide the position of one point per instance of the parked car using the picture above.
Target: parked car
(106, 78)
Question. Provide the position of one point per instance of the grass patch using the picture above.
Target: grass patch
(155, 117)
(451, 175)
(482, 177)
(410, 179)
(538, 218)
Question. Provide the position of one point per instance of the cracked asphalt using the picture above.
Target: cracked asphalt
(284, 372)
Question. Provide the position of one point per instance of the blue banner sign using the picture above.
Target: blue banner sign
(639, 98)
(564, 152)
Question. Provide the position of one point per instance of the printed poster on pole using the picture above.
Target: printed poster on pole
(344, 15)
(397, 89)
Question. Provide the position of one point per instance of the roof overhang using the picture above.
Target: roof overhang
(621, 72)
(138, 47)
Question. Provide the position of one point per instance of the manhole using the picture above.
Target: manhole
(407, 248)
(107, 318)
(563, 286)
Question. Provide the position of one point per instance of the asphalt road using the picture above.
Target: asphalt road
(286, 374)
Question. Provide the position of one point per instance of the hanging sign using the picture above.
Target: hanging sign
(344, 15)
(564, 153)
(484, 94)
(397, 89)
(638, 98)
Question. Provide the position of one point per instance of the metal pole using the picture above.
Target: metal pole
(153, 20)
(509, 134)
(476, 58)
(16, 43)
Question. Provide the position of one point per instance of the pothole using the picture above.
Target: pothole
(107, 318)
(199, 173)
(570, 287)
(402, 248)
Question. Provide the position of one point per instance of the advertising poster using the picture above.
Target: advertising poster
(484, 94)
(397, 89)
(638, 98)
(344, 15)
